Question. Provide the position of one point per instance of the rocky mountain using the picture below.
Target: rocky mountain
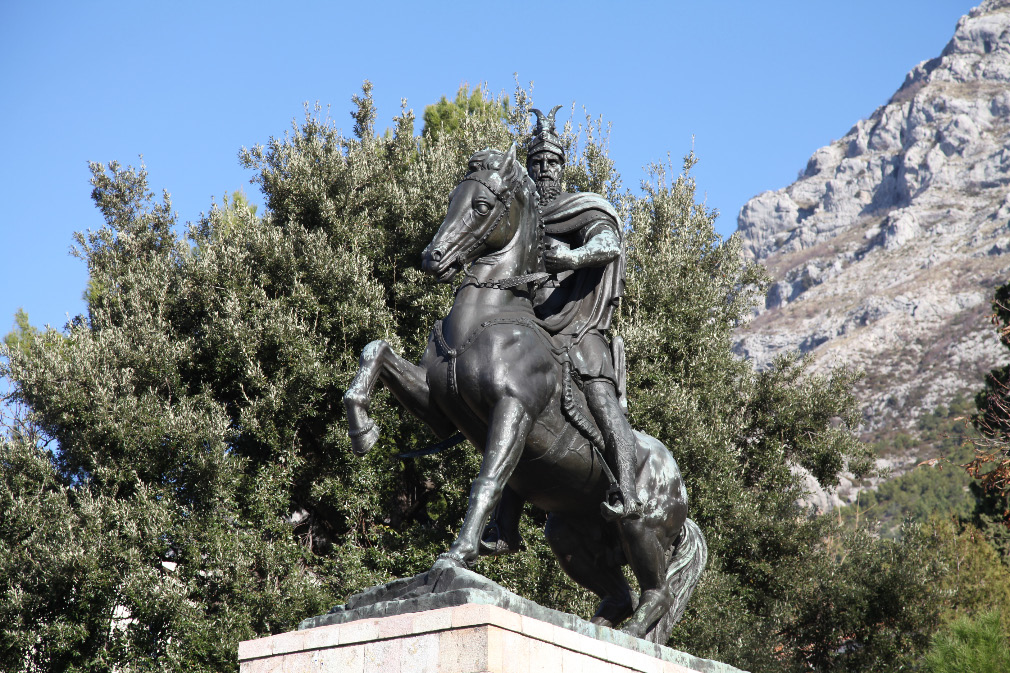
(886, 251)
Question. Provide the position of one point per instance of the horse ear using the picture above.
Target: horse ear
(510, 158)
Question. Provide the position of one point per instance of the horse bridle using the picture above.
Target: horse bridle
(507, 202)
(502, 283)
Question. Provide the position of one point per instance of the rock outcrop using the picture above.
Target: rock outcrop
(887, 249)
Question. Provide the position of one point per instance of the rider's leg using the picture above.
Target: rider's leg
(601, 395)
(501, 536)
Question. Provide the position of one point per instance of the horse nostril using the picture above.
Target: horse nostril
(436, 255)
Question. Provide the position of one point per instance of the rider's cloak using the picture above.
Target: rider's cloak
(573, 303)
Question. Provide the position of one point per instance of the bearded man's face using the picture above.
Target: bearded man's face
(545, 169)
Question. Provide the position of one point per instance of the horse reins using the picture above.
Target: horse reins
(504, 283)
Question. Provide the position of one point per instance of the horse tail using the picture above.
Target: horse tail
(682, 575)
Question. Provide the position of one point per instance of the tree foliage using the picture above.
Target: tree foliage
(201, 480)
(936, 487)
(970, 645)
(447, 116)
(992, 463)
(23, 334)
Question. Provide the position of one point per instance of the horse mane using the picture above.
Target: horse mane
(490, 159)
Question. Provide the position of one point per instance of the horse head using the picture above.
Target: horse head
(480, 217)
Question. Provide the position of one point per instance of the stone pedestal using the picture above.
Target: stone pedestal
(469, 638)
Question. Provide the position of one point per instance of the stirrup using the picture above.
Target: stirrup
(615, 511)
(611, 512)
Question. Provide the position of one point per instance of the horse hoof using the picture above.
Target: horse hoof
(362, 442)
(636, 630)
(451, 559)
(441, 574)
(652, 605)
(612, 611)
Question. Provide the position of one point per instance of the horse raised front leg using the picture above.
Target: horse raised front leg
(508, 425)
(408, 383)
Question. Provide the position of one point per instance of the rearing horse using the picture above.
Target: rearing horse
(494, 374)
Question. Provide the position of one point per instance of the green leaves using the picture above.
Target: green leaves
(23, 336)
(446, 117)
(68, 565)
(975, 645)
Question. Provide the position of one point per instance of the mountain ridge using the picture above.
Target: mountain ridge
(885, 251)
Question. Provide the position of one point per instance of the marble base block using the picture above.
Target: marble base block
(470, 638)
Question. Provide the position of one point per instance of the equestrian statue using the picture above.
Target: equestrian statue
(522, 367)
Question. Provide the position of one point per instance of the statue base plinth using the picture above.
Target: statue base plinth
(467, 638)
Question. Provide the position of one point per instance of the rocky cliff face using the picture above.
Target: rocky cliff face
(887, 249)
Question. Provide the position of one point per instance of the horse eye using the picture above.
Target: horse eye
(482, 207)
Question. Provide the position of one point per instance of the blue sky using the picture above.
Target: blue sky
(753, 87)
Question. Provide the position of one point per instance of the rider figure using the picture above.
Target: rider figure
(585, 256)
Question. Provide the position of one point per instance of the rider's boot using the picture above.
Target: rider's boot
(501, 535)
(627, 473)
(623, 503)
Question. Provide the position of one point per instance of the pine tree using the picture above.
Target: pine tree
(970, 645)
(447, 116)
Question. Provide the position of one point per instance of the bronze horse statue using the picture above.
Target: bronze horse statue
(492, 372)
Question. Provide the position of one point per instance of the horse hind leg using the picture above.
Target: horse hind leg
(682, 576)
(648, 559)
(408, 383)
(662, 604)
(593, 558)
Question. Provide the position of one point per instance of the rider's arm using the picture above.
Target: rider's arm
(601, 246)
